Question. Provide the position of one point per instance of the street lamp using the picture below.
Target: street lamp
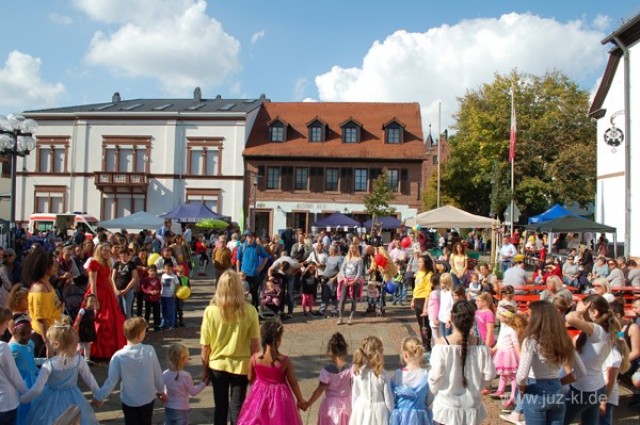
(255, 200)
(16, 139)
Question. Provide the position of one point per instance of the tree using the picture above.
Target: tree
(377, 202)
(555, 151)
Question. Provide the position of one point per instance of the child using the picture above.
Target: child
(85, 326)
(507, 293)
(183, 279)
(309, 288)
(10, 380)
(273, 379)
(446, 302)
(178, 386)
(461, 367)
(272, 295)
(60, 375)
(151, 288)
(371, 394)
(616, 363)
(433, 308)
(22, 349)
(170, 283)
(373, 295)
(18, 300)
(485, 319)
(201, 253)
(335, 381)
(411, 387)
(246, 288)
(458, 294)
(137, 365)
(475, 287)
(507, 353)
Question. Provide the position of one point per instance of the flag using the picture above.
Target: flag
(512, 136)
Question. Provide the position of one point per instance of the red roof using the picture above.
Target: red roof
(372, 116)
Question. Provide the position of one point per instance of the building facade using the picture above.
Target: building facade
(615, 107)
(307, 160)
(116, 158)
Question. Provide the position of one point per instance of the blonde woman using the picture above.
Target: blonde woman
(350, 280)
(229, 336)
(602, 287)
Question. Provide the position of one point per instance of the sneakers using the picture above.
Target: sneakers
(339, 322)
(317, 313)
(496, 394)
(513, 418)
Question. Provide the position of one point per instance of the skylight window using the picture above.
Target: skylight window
(228, 107)
(132, 107)
(162, 107)
(103, 107)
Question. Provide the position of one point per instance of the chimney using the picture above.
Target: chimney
(197, 94)
(116, 98)
(218, 96)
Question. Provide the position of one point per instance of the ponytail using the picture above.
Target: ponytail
(370, 355)
(462, 315)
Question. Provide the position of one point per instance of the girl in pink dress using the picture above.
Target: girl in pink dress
(486, 319)
(273, 378)
(335, 381)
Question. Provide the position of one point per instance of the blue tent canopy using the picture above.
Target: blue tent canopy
(337, 220)
(552, 213)
(139, 220)
(384, 223)
(191, 213)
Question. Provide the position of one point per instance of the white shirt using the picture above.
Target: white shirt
(10, 380)
(187, 235)
(594, 353)
(534, 365)
(507, 252)
(614, 359)
(446, 302)
(179, 390)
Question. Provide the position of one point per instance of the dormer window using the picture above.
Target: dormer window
(393, 132)
(351, 131)
(277, 130)
(317, 130)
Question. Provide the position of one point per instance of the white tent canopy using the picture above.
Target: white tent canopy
(140, 220)
(448, 217)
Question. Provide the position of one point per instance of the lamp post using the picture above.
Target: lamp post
(16, 139)
(255, 201)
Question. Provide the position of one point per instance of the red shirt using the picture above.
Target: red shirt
(149, 285)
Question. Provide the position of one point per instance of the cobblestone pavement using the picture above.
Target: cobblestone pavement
(305, 340)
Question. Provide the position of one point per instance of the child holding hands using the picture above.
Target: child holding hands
(10, 380)
(178, 386)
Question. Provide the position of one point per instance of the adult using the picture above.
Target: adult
(166, 256)
(328, 281)
(458, 262)
(516, 276)
(634, 273)
(506, 254)
(616, 275)
(109, 319)
(602, 287)
(602, 247)
(488, 279)
(631, 332)
(187, 234)
(622, 265)
(555, 289)
(350, 281)
(162, 232)
(13, 268)
(251, 260)
(44, 305)
(421, 292)
(411, 269)
(79, 235)
(570, 272)
(288, 268)
(600, 268)
(229, 336)
(300, 250)
(586, 260)
(125, 279)
(221, 256)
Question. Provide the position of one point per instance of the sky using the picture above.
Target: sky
(56, 53)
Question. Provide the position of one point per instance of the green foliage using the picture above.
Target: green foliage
(555, 159)
(430, 195)
(377, 202)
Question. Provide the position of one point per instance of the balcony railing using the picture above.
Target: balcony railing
(106, 180)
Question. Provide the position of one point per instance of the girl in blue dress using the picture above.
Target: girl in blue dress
(411, 387)
(60, 374)
(22, 349)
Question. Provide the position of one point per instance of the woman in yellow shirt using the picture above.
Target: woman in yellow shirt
(229, 336)
(421, 292)
(458, 262)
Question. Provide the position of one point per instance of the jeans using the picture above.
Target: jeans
(139, 297)
(168, 305)
(401, 293)
(584, 405)
(229, 392)
(254, 286)
(328, 295)
(9, 417)
(138, 415)
(607, 418)
(289, 289)
(506, 265)
(176, 417)
(543, 402)
(444, 331)
(573, 282)
(126, 303)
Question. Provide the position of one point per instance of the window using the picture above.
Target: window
(315, 134)
(50, 199)
(393, 178)
(302, 179)
(331, 180)
(204, 156)
(126, 154)
(273, 178)
(350, 135)
(435, 159)
(6, 167)
(51, 154)
(394, 135)
(360, 180)
(121, 204)
(209, 197)
(277, 132)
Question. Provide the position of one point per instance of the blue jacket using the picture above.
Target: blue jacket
(250, 257)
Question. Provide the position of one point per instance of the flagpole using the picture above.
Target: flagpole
(512, 156)
(439, 140)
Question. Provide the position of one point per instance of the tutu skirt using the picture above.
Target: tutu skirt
(506, 361)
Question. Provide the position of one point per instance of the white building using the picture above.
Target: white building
(617, 201)
(124, 156)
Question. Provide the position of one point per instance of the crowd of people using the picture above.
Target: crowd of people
(71, 301)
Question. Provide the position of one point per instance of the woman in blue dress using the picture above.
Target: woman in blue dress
(22, 349)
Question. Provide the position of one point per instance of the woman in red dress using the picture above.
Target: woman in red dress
(109, 320)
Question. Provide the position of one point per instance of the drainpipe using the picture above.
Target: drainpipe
(627, 148)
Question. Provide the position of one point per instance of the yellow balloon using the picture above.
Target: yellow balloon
(183, 292)
(152, 259)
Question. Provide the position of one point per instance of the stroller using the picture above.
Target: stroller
(272, 301)
(375, 297)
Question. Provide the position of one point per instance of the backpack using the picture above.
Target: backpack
(222, 258)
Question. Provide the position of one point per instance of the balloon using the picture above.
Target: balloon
(391, 287)
(406, 242)
(152, 259)
(380, 260)
(183, 292)
(418, 227)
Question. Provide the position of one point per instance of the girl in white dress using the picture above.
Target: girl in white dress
(371, 395)
(461, 367)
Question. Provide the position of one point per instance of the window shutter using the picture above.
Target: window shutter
(287, 179)
(405, 188)
(262, 178)
(346, 180)
(320, 179)
(316, 183)
(373, 174)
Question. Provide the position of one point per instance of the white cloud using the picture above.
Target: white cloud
(256, 37)
(22, 87)
(601, 22)
(444, 62)
(60, 19)
(173, 41)
(299, 88)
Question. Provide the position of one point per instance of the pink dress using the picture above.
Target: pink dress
(335, 409)
(506, 358)
(270, 400)
(483, 318)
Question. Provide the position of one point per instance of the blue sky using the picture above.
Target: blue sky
(67, 52)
